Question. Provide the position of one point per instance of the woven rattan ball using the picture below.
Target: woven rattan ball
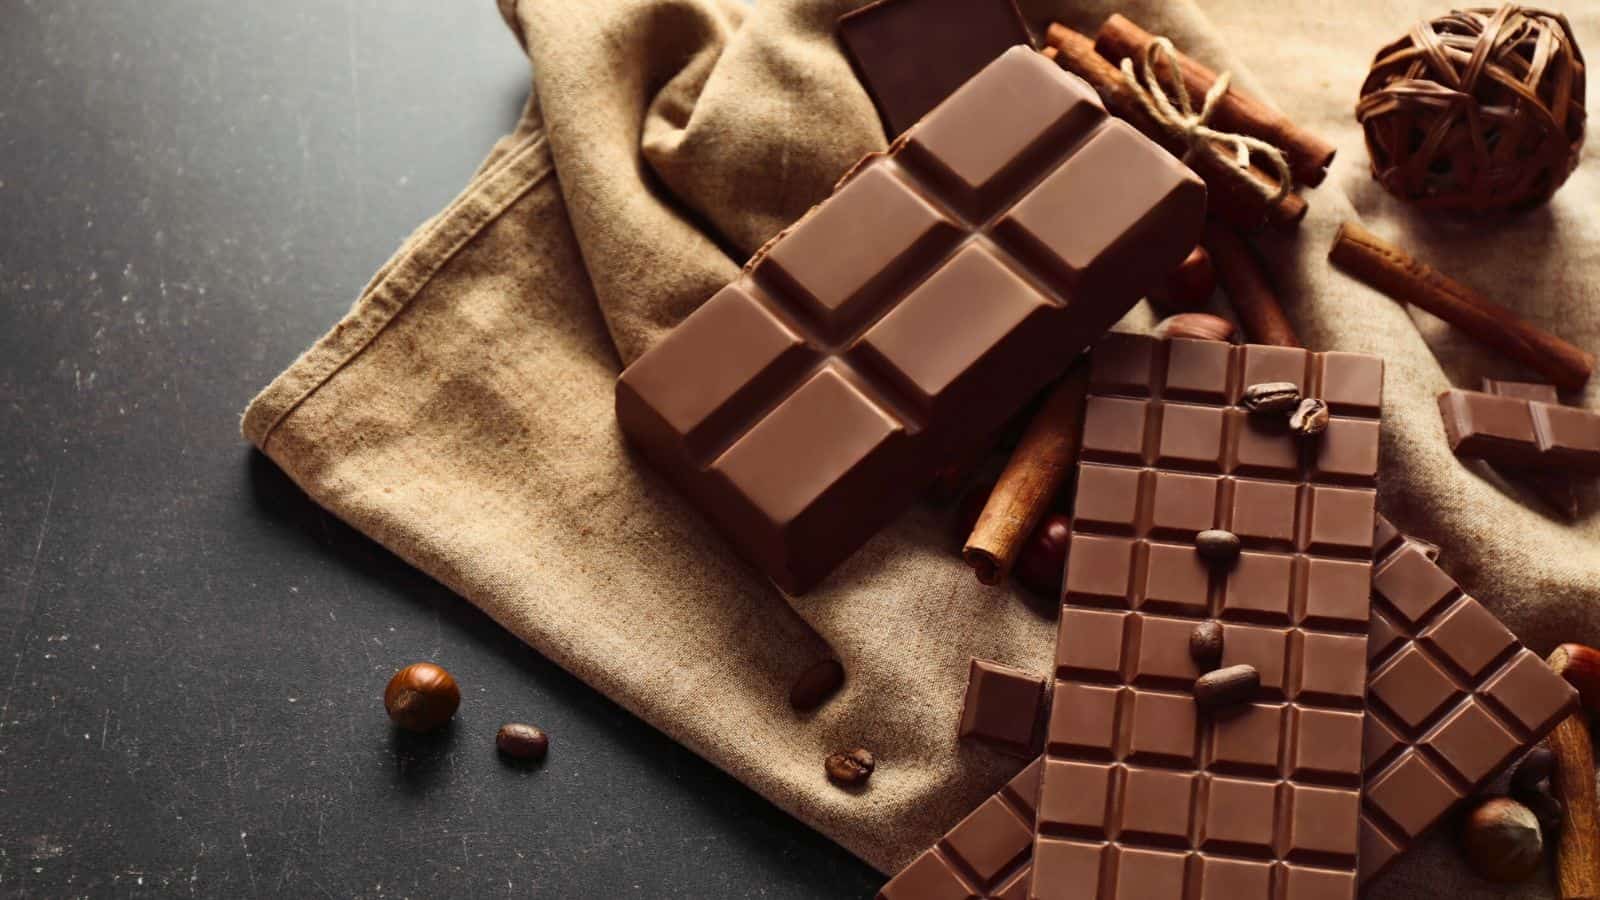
(1477, 111)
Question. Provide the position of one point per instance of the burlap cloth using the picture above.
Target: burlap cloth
(461, 414)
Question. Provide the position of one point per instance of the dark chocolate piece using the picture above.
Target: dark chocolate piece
(986, 855)
(1513, 431)
(911, 54)
(1555, 488)
(907, 317)
(1141, 795)
(1001, 708)
(1453, 698)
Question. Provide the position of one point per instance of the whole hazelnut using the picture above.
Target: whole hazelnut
(421, 697)
(1190, 285)
(1042, 562)
(1200, 326)
(1502, 840)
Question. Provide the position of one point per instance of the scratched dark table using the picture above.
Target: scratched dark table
(192, 653)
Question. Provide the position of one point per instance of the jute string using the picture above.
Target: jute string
(1181, 117)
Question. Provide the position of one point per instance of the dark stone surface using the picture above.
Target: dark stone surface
(191, 653)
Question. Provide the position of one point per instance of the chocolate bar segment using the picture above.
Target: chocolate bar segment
(908, 316)
(911, 54)
(1001, 708)
(1453, 698)
(1142, 793)
(1556, 488)
(1514, 431)
(985, 855)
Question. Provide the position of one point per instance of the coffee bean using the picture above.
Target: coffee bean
(815, 685)
(851, 768)
(1205, 645)
(1310, 418)
(1217, 545)
(520, 741)
(1530, 775)
(1271, 397)
(1225, 687)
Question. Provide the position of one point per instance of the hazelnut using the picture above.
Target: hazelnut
(1200, 326)
(1190, 285)
(421, 697)
(1502, 840)
(1042, 562)
(1580, 666)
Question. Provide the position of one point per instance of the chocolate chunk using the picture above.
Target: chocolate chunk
(811, 401)
(1511, 431)
(1001, 708)
(815, 685)
(911, 54)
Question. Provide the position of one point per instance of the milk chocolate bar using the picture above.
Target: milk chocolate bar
(909, 315)
(1517, 432)
(911, 54)
(1142, 793)
(1452, 699)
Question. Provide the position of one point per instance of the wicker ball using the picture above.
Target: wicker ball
(1477, 111)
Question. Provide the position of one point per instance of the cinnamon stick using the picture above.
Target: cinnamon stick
(1237, 111)
(1230, 194)
(1033, 474)
(1578, 852)
(1396, 273)
(1247, 287)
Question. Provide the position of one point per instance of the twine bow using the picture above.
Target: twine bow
(1192, 126)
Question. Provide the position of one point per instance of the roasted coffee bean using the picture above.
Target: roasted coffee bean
(815, 685)
(1217, 545)
(1271, 397)
(1225, 687)
(1310, 418)
(1205, 645)
(1530, 775)
(851, 768)
(520, 741)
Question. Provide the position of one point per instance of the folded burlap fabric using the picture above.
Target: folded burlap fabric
(461, 413)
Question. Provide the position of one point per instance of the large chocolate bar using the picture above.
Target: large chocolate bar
(1514, 431)
(909, 315)
(1452, 699)
(1144, 794)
